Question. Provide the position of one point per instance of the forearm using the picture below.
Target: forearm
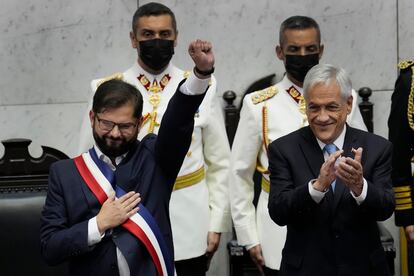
(243, 211)
(174, 136)
(216, 152)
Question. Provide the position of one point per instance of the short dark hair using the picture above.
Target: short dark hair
(117, 93)
(298, 22)
(152, 9)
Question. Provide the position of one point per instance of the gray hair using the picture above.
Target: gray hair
(325, 74)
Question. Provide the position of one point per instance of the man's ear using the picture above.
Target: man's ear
(349, 103)
(91, 117)
(134, 42)
(321, 48)
(140, 122)
(176, 39)
(279, 53)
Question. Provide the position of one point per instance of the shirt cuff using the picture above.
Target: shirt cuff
(194, 86)
(316, 195)
(250, 246)
(93, 232)
(360, 199)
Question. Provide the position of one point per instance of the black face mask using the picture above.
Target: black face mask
(297, 66)
(156, 53)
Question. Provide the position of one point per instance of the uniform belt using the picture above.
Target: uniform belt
(190, 179)
(265, 184)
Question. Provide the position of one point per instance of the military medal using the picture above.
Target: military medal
(298, 97)
(154, 98)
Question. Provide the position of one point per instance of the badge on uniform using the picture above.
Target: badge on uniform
(294, 93)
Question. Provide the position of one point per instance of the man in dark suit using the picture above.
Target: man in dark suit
(91, 217)
(330, 184)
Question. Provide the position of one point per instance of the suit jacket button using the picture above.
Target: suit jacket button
(114, 266)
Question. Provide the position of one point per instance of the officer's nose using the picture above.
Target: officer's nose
(303, 51)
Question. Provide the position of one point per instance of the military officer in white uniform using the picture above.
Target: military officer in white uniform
(199, 206)
(265, 116)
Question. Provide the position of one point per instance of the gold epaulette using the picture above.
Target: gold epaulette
(405, 64)
(403, 198)
(186, 74)
(264, 94)
(114, 76)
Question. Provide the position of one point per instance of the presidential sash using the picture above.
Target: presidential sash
(99, 178)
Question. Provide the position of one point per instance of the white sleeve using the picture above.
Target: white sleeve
(216, 151)
(360, 199)
(93, 233)
(245, 150)
(316, 195)
(194, 86)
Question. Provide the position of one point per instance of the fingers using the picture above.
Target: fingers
(198, 46)
(126, 196)
(333, 157)
(327, 172)
(202, 55)
(256, 255)
(111, 197)
(358, 154)
(131, 203)
(132, 212)
(349, 168)
(409, 234)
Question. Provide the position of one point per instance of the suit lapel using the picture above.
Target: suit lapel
(311, 150)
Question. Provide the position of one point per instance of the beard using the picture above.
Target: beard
(113, 147)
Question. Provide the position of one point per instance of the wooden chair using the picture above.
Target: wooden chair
(23, 187)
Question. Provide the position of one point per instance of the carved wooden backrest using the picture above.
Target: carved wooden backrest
(23, 188)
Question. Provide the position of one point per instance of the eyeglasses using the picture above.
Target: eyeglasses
(107, 126)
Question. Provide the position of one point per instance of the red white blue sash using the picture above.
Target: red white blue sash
(98, 176)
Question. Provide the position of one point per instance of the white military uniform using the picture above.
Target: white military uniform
(265, 116)
(200, 201)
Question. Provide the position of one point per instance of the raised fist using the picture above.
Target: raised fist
(201, 52)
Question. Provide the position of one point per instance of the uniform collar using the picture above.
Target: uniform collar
(139, 70)
(285, 83)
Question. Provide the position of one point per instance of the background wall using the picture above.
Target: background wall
(51, 49)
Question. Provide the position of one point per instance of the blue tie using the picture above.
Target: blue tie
(331, 148)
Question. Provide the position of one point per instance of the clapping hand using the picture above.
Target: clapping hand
(350, 172)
